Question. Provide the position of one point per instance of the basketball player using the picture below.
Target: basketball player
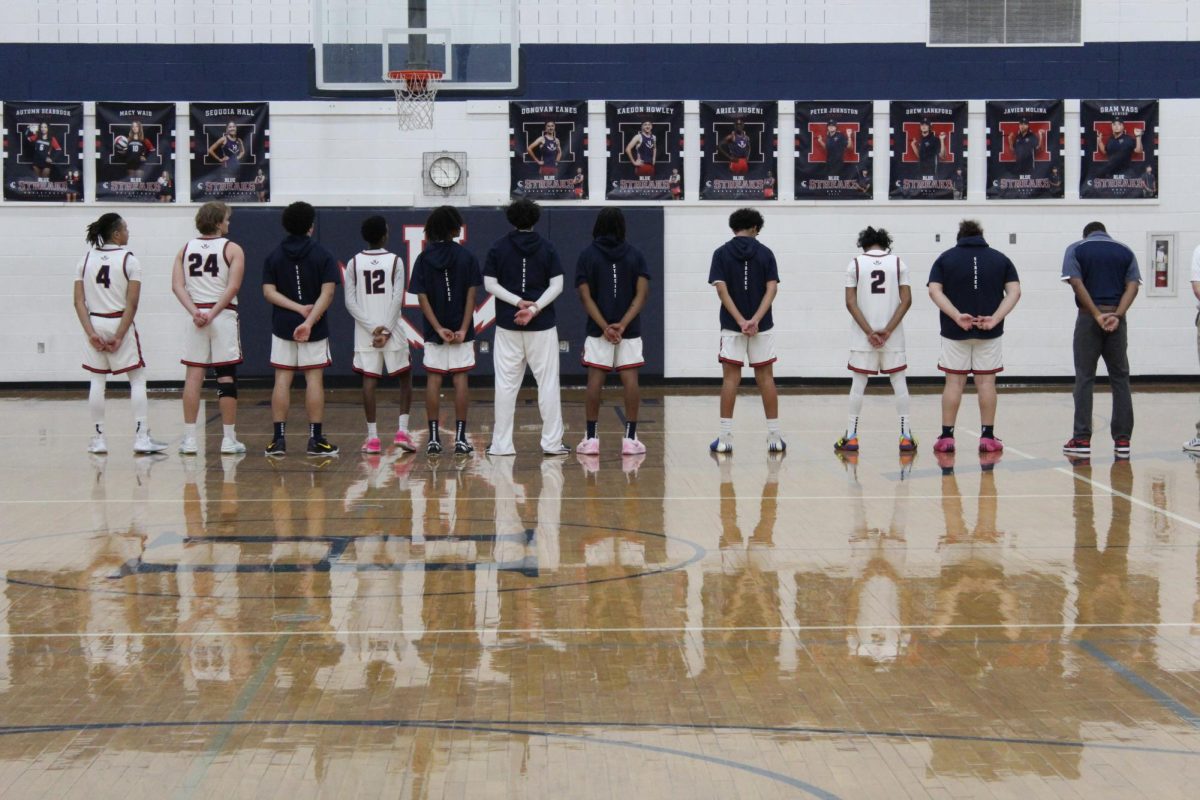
(769, 186)
(44, 146)
(108, 285)
(877, 296)
(613, 282)
(260, 186)
(445, 280)
(550, 151)
(927, 148)
(137, 149)
(74, 185)
(375, 299)
(229, 149)
(164, 187)
(1119, 150)
(736, 147)
(299, 279)
(1024, 145)
(642, 150)
(205, 278)
(835, 143)
(746, 278)
(523, 272)
(676, 184)
(578, 181)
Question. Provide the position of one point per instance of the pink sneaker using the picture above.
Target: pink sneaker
(371, 446)
(588, 447)
(945, 444)
(404, 442)
(988, 444)
(632, 447)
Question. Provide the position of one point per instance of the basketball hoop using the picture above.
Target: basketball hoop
(415, 90)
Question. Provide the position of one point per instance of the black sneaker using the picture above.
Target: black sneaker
(321, 447)
(461, 448)
(277, 447)
(434, 448)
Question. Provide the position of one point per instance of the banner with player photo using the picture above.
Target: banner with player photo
(231, 152)
(135, 152)
(834, 141)
(1120, 148)
(43, 144)
(645, 151)
(929, 150)
(547, 143)
(1025, 147)
(739, 142)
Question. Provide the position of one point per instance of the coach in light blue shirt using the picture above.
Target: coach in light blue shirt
(1104, 275)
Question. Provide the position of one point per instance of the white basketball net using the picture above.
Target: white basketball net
(415, 95)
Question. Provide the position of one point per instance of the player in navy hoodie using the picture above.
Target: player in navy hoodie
(613, 284)
(746, 278)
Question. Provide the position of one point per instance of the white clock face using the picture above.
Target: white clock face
(445, 172)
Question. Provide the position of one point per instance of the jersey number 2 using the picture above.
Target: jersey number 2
(375, 281)
(877, 277)
(198, 264)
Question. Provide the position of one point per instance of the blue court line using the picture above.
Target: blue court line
(506, 726)
(1141, 684)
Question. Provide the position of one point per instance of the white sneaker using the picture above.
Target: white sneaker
(188, 446)
(231, 446)
(1192, 445)
(143, 444)
(98, 445)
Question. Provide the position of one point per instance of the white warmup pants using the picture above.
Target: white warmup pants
(511, 352)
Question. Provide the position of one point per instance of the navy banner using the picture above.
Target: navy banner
(231, 151)
(645, 151)
(834, 141)
(547, 143)
(739, 145)
(1120, 148)
(135, 152)
(929, 150)
(42, 151)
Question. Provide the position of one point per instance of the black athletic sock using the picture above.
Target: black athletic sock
(433, 430)
(989, 432)
(314, 430)
(591, 429)
(631, 429)
(460, 430)
(947, 430)
(279, 429)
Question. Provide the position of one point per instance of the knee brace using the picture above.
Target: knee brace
(229, 388)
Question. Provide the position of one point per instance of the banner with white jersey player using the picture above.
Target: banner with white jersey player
(231, 151)
(1025, 149)
(42, 147)
(739, 144)
(645, 151)
(135, 152)
(929, 150)
(1120, 148)
(834, 141)
(548, 147)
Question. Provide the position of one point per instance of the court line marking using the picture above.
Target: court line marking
(1141, 684)
(663, 629)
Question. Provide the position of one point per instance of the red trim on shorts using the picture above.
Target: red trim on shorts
(302, 369)
(454, 371)
(864, 371)
(900, 368)
(954, 371)
(764, 363)
(210, 363)
(971, 371)
(631, 366)
(97, 371)
(141, 360)
(724, 360)
(366, 374)
(608, 367)
(988, 371)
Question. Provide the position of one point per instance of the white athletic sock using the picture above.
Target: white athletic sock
(900, 387)
(404, 422)
(773, 428)
(228, 431)
(372, 430)
(96, 402)
(139, 401)
(905, 431)
(189, 430)
(726, 428)
(858, 390)
(852, 426)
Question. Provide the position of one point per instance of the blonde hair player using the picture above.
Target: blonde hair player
(108, 284)
(205, 278)
(878, 296)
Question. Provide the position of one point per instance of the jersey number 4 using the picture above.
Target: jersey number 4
(877, 278)
(198, 265)
(375, 280)
(102, 277)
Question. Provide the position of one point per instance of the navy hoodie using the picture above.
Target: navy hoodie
(745, 266)
(523, 262)
(611, 269)
(972, 276)
(444, 272)
(297, 268)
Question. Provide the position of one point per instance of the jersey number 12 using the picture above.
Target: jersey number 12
(374, 281)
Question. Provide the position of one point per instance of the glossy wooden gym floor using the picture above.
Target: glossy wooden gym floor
(671, 626)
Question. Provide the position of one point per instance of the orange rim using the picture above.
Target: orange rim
(415, 77)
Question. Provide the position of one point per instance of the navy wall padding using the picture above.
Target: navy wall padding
(258, 231)
(633, 71)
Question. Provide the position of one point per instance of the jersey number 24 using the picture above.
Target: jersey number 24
(198, 264)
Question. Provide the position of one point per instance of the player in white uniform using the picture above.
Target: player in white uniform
(375, 298)
(108, 283)
(877, 297)
(205, 278)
